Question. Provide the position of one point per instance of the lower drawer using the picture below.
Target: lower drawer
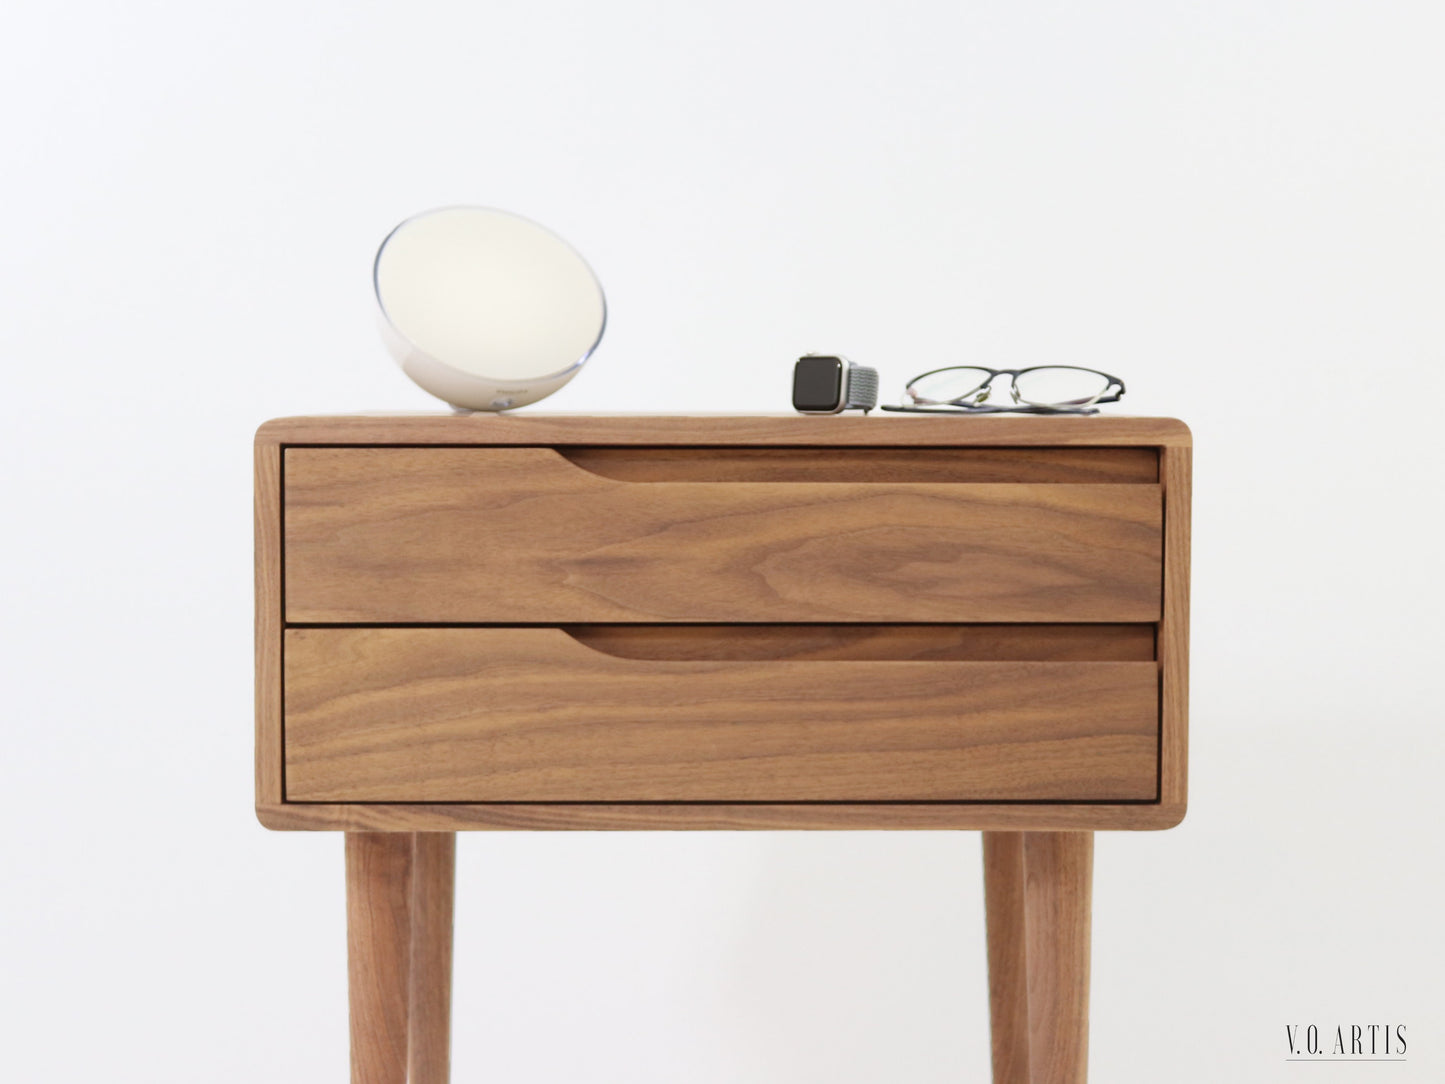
(534, 715)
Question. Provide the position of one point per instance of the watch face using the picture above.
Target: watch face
(818, 384)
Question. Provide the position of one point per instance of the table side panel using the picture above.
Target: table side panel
(1176, 472)
(268, 560)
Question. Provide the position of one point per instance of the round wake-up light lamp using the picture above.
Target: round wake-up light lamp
(485, 309)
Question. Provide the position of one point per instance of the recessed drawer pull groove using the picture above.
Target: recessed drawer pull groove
(843, 465)
(821, 643)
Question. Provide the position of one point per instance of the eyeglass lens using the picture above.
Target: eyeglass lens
(1060, 385)
(949, 385)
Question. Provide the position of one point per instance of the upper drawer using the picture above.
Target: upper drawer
(525, 535)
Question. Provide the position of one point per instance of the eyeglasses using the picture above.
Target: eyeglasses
(1042, 389)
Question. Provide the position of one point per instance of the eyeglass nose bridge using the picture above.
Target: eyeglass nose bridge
(984, 391)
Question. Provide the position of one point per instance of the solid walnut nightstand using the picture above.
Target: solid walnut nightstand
(544, 622)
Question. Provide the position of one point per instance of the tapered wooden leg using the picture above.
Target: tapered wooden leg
(1037, 887)
(1008, 1005)
(433, 881)
(378, 944)
(1058, 882)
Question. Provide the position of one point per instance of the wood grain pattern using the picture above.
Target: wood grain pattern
(519, 535)
(901, 430)
(452, 715)
(433, 891)
(1165, 435)
(1176, 467)
(268, 624)
(714, 817)
(1058, 890)
(378, 946)
(1008, 992)
(976, 643)
(976, 465)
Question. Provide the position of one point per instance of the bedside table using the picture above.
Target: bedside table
(643, 622)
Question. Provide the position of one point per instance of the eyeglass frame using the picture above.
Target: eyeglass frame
(1022, 406)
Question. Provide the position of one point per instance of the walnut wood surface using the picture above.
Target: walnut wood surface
(976, 643)
(715, 817)
(1008, 993)
(1174, 631)
(520, 535)
(378, 946)
(268, 624)
(433, 891)
(1058, 890)
(647, 435)
(453, 715)
(904, 430)
(1035, 465)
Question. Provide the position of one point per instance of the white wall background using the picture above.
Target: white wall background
(1236, 205)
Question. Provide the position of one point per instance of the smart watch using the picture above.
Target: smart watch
(827, 384)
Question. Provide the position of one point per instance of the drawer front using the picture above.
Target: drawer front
(526, 536)
(533, 715)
